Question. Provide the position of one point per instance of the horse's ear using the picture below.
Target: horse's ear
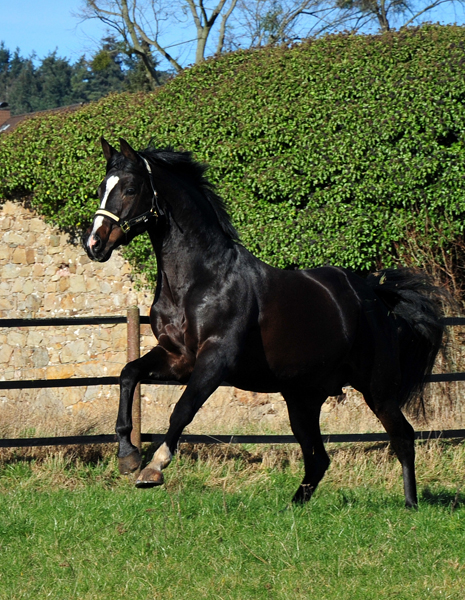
(127, 151)
(108, 150)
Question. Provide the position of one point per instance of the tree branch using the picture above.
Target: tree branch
(159, 48)
(421, 12)
(222, 33)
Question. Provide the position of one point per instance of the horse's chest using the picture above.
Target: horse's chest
(172, 332)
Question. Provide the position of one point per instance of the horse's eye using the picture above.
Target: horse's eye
(130, 192)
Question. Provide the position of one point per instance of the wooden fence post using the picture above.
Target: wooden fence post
(133, 333)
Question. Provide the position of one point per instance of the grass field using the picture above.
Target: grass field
(222, 527)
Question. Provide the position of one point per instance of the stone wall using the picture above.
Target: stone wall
(43, 275)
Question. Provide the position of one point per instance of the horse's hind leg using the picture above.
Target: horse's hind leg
(402, 437)
(304, 415)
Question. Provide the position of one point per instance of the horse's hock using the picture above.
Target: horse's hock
(42, 276)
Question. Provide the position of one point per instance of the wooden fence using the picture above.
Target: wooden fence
(133, 321)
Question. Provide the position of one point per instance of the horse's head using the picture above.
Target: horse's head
(127, 202)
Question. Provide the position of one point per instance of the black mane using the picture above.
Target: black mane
(185, 166)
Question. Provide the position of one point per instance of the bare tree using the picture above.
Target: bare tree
(258, 22)
(262, 22)
(143, 23)
(384, 15)
(205, 23)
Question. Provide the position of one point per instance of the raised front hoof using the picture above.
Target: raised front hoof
(149, 478)
(130, 463)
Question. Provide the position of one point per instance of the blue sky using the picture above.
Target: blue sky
(43, 26)
(47, 25)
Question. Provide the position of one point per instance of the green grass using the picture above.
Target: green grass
(222, 528)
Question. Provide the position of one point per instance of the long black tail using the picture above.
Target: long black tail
(411, 295)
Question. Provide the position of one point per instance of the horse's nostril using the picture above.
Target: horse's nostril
(97, 242)
(94, 243)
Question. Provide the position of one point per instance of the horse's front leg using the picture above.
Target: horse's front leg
(153, 365)
(209, 371)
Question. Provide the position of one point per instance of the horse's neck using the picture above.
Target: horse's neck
(187, 257)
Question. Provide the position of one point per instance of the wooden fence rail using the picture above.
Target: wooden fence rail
(133, 321)
(157, 438)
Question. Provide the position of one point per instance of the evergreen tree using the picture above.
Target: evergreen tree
(4, 72)
(53, 79)
(23, 92)
(56, 82)
(106, 70)
(81, 81)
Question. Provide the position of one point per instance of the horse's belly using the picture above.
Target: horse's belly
(288, 359)
(308, 334)
(293, 348)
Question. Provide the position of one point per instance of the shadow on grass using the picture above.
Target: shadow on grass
(208, 452)
(446, 498)
(91, 454)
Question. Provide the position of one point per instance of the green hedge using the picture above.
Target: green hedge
(346, 150)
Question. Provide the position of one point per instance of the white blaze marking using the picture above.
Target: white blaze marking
(111, 182)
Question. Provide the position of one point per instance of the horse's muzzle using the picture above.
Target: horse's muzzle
(95, 248)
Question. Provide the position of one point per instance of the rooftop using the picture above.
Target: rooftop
(8, 122)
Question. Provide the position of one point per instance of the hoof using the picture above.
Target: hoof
(303, 494)
(130, 463)
(149, 478)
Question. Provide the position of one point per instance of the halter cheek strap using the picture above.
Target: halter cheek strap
(154, 211)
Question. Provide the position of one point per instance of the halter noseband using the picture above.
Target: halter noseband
(144, 217)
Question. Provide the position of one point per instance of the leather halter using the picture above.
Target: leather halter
(126, 225)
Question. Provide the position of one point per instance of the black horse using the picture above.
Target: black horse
(222, 315)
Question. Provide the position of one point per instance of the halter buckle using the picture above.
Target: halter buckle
(125, 226)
